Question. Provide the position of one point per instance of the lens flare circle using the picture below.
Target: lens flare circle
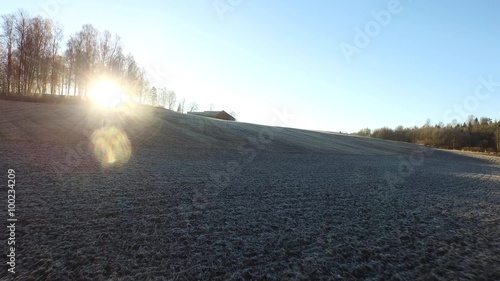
(111, 146)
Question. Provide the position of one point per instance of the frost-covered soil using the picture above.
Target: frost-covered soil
(203, 199)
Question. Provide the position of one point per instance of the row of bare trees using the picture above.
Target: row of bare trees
(33, 62)
(29, 53)
(475, 134)
(168, 99)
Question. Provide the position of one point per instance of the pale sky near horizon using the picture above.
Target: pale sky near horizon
(334, 65)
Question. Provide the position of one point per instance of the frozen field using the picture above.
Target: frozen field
(201, 199)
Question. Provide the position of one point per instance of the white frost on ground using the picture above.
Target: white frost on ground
(299, 205)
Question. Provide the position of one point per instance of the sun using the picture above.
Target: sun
(107, 94)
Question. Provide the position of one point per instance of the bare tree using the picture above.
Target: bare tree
(116, 61)
(72, 58)
(86, 52)
(7, 40)
(56, 65)
(193, 106)
(171, 99)
(153, 97)
(3, 74)
(21, 25)
(133, 76)
(182, 104)
(143, 85)
(107, 49)
(232, 113)
(38, 40)
(162, 97)
(365, 132)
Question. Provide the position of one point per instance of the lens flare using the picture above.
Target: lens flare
(107, 94)
(111, 146)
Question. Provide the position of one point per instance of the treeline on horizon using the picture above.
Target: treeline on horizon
(36, 65)
(480, 135)
(35, 62)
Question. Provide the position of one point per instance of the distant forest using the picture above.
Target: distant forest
(480, 135)
(35, 63)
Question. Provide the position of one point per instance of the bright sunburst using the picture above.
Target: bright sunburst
(107, 94)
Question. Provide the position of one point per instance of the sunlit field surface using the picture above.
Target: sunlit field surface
(141, 193)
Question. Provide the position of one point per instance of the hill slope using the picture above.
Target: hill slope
(160, 127)
(154, 194)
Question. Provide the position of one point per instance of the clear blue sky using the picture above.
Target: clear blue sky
(261, 56)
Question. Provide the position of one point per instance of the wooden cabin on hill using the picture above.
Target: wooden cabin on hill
(222, 115)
